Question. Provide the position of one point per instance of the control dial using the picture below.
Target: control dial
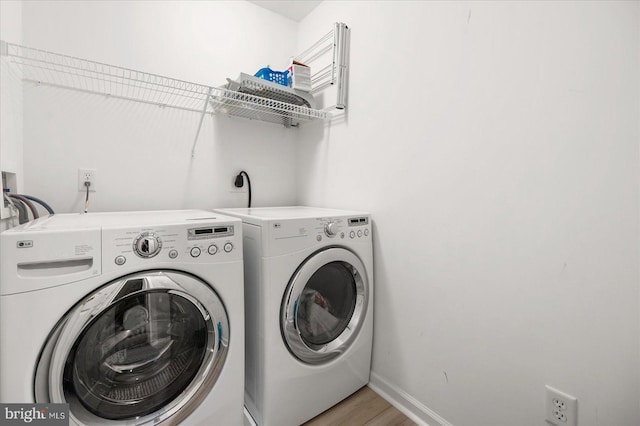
(330, 228)
(147, 245)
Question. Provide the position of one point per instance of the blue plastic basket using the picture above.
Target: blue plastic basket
(280, 77)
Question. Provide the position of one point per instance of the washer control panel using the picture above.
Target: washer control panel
(193, 242)
(207, 232)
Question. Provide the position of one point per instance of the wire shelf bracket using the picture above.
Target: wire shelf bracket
(204, 112)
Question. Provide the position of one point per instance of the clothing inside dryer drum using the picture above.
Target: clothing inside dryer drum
(137, 356)
(326, 304)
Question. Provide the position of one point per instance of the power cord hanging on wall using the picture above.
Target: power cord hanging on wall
(87, 184)
(239, 183)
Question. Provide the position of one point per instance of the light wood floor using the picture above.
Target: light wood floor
(364, 407)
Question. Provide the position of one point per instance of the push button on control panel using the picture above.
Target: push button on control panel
(228, 247)
(120, 260)
(359, 233)
(213, 249)
(195, 252)
(173, 254)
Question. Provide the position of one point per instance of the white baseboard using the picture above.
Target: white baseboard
(248, 420)
(404, 402)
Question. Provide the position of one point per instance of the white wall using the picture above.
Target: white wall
(10, 102)
(496, 145)
(143, 153)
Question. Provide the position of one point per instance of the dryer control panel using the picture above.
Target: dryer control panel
(202, 243)
(358, 227)
(352, 227)
(287, 236)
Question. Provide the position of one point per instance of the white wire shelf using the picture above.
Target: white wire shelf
(258, 108)
(52, 69)
(251, 100)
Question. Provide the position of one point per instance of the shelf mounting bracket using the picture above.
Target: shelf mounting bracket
(203, 113)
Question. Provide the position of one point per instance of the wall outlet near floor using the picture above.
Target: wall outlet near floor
(87, 175)
(562, 408)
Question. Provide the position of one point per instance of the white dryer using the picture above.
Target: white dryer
(309, 310)
(130, 318)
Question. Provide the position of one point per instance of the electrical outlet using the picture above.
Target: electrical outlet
(562, 408)
(87, 175)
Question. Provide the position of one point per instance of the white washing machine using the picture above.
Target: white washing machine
(130, 318)
(309, 310)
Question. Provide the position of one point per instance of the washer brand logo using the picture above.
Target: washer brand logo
(36, 414)
(24, 244)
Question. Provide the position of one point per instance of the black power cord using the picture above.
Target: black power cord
(239, 183)
(87, 184)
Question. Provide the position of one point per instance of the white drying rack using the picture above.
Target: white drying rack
(334, 72)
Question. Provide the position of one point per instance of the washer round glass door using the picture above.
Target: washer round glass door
(324, 305)
(139, 350)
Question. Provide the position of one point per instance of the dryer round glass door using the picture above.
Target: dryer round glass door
(324, 305)
(148, 346)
